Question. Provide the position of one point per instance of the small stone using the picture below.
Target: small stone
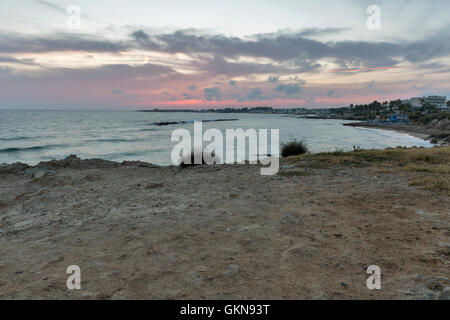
(35, 173)
(444, 279)
(195, 278)
(445, 294)
(39, 174)
(410, 293)
(429, 296)
(232, 269)
(421, 212)
(201, 269)
(435, 285)
(290, 218)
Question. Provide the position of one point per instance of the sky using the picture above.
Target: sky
(208, 54)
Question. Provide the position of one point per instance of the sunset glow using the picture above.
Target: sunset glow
(294, 61)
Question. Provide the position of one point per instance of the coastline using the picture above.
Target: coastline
(421, 132)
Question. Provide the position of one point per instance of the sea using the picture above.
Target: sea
(42, 135)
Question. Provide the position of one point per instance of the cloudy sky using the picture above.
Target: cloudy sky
(209, 53)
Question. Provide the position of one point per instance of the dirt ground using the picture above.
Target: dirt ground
(138, 231)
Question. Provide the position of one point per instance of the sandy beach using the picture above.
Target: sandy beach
(139, 231)
(418, 131)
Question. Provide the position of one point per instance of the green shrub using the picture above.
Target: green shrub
(293, 148)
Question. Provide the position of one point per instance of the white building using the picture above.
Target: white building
(439, 102)
(417, 103)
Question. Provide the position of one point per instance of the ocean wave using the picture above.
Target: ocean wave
(15, 138)
(143, 130)
(34, 148)
(166, 123)
(114, 140)
(120, 155)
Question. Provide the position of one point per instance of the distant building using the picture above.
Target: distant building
(405, 101)
(439, 102)
(417, 103)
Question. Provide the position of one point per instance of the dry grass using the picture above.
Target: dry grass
(294, 173)
(433, 182)
(427, 168)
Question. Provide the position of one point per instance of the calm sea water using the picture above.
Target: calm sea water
(33, 136)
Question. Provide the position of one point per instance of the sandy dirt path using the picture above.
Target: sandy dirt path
(221, 232)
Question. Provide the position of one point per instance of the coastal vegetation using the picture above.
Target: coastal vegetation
(293, 148)
(377, 111)
(428, 168)
(382, 111)
(420, 118)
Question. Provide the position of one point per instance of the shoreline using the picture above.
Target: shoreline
(420, 132)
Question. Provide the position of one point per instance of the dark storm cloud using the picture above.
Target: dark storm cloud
(17, 61)
(277, 47)
(106, 73)
(433, 66)
(296, 47)
(312, 32)
(428, 49)
(13, 43)
(289, 89)
(123, 93)
(187, 96)
(255, 94)
(121, 71)
(217, 65)
(140, 36)
(293, 52)
(366, 53)
(212, 93)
